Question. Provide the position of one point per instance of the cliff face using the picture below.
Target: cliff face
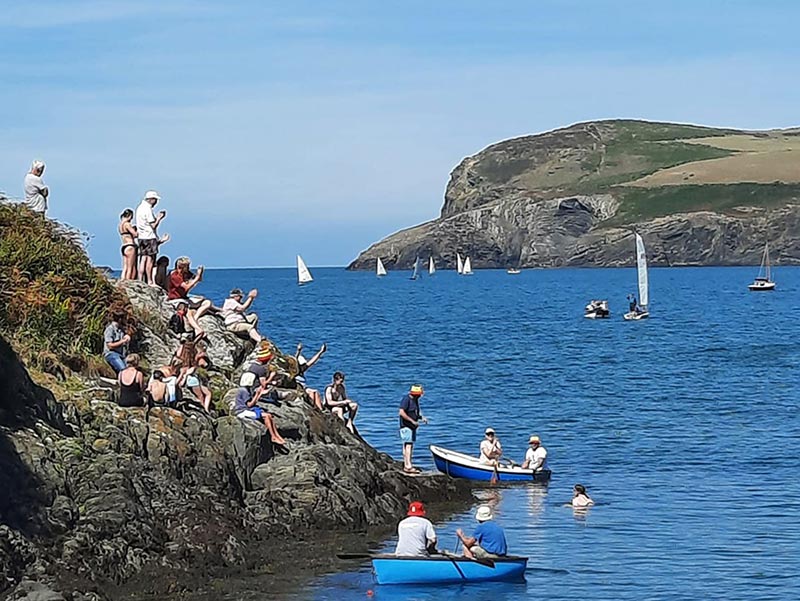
(96, 496)
(573, 197)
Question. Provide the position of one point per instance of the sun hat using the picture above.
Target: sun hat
(416, 390)
(151, 194)
(484, 513)
(489, 431)
(533, 439)
(37, 164)
(236, 292)
(416, 508)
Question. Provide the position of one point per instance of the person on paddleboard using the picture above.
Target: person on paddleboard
(536, 455)
(491, 449)
(415, 534)
(410, 418)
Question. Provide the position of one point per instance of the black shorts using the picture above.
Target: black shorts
(148, 247)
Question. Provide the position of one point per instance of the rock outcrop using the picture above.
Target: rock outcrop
(574, 197)
(97, 496)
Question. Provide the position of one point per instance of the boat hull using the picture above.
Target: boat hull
(765, 287)
(459, 465)
(438, 569)
(633, 316)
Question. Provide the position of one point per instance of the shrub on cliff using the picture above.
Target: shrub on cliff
(53, 304)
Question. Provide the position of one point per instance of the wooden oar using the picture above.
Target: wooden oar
(484, 562)
(354, 556)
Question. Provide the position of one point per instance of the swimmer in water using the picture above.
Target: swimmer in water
(580, 499)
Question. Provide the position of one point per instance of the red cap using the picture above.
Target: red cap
(416, 508)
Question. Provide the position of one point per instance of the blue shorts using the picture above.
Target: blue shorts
(252, 413)
(408, 436)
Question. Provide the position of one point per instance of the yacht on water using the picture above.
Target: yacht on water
(415, 273)
(639, 311)
(763, 283)
(380, 270)
(467, 267)
(459, 264)
(431, 266)
(303, 274)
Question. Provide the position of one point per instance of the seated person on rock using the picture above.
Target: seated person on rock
(115, 342)
(488, 540)
(196, 380)
(169, 377)
(157, 389)
(237, 320)
(491, 449)
(336, 400)
(182, 281)
(303, 365)
(131, 383)
(162, 273)
(245, 408)
(259, 377)
(415, 534)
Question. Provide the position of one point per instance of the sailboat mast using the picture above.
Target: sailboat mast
(766, 261)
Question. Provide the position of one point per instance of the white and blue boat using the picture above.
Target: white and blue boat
(446, 569)
(461, 465)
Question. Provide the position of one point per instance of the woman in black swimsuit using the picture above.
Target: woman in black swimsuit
(131, 383)
(127, 232)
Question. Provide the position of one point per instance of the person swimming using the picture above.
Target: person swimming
(580, 498)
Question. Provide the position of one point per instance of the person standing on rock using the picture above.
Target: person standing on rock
(37, 193)
(410, 418)
(415, 534)
(146, 225)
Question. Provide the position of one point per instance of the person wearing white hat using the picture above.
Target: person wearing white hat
(491, 449)
(36, 192)
(488, 540)
(536, 455)
(146, 225)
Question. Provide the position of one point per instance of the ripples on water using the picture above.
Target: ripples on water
(684, 428)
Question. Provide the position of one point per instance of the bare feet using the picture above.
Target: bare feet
(278, 440)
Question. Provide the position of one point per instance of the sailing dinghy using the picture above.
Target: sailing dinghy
(415, 273)
(303, 274)
(763, 283)
(431, 266)
(467, 267)
(641, 311)
(380, 270)
(459, 264)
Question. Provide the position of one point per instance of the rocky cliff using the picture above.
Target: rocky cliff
(574, 196)
(100, 500)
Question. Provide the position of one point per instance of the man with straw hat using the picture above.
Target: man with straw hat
(536, 455)
(410, 418)
(488, 540)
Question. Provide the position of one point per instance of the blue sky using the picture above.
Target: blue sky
(276, 128)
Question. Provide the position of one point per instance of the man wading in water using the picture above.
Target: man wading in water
(410, 417)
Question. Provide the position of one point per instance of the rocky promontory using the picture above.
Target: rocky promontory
(100, 501)
(575, 196)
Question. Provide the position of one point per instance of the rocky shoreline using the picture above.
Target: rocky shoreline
(105, 502)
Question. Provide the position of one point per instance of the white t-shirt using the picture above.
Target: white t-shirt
(532, 456)
(34, 197)
(231, 311)
(486, 448)
(414, 534)
(144, 221)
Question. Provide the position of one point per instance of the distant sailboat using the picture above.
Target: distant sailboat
(763, 283)
(640, 311)
(431, 266)
(303, 274)
(415, 273)
(467, 267)
(380, 270)
(459, 264)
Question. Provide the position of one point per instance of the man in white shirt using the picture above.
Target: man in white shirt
(146, 225)
(535, 456)
(36, 193)
(491, 449)
(237, 320)
(415, 534)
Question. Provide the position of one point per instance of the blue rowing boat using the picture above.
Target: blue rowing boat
(446, 569)
(460, 465)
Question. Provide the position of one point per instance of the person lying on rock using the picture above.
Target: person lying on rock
(303, 365)
(245, 408)
(336, 400)
(182, 281)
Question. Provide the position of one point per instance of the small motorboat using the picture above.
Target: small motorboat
(446, 569)
(597, 309)
(461, 465)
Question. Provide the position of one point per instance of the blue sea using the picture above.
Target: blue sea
(684, 427)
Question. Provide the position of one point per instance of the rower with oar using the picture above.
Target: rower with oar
(491, 449)
(487, 541)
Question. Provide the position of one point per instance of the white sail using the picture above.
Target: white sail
(415, 275)
(431, 266)
(380, 270)
(641, 268)
(459, 264)
(303, 274)
(467, 267)
(765, 269)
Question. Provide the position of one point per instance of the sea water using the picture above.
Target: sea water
(684, 427)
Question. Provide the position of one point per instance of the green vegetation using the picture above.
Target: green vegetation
(647, 203)
(53, 304)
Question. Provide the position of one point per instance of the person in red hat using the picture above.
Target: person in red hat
(410, 418)
(415, 534)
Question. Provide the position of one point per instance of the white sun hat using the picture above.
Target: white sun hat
(484, 513)
(151, 194)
